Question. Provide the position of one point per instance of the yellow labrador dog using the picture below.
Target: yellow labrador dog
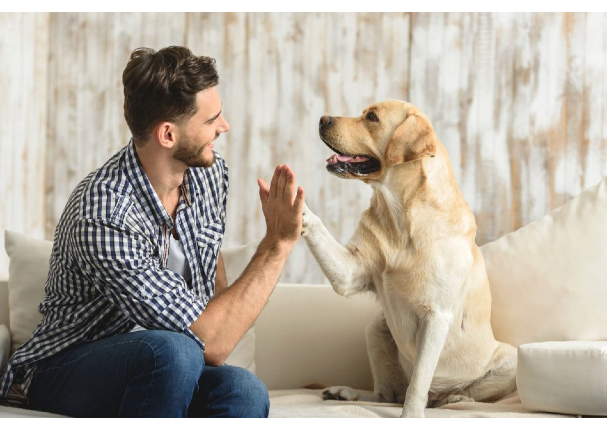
(415, 249)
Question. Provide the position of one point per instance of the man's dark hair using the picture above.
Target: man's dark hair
(162, 85)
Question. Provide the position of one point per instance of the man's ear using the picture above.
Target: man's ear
(165, 134)
(412, 140)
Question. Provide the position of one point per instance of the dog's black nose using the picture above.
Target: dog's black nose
(325, 122)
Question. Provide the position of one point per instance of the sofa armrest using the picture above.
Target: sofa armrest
(309, 334)
(5, 345)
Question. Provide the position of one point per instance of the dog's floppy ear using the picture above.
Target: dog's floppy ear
(412, 140)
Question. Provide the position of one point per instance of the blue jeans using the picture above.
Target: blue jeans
(149, 373)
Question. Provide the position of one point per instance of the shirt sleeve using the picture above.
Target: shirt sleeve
(121, 265)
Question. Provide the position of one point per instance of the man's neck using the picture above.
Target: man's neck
(164, 173)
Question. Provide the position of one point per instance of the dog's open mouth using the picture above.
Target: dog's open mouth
(341, 164)
(356, 164)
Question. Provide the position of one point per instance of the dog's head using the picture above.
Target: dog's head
(387, 134)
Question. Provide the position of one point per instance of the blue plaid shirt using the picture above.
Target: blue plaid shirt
(108, 266)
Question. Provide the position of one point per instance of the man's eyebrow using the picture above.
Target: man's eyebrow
(210, 120)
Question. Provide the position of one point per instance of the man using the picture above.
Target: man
(137, 316)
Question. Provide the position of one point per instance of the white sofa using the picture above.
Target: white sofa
(307, 335)
(549, 290)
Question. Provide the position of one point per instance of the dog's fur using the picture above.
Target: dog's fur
(415, 249)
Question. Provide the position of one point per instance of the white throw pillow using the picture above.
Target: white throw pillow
(563, 377)
(27, 271)
(549, 278)
(5, 345)
(235, 260)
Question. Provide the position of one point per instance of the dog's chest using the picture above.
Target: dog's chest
(408, 291)
(401, 316)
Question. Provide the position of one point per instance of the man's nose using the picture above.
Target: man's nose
(325, 122)
(226, 126)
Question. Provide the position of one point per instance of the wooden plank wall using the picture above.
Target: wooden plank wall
(24, 44)
(519, 100)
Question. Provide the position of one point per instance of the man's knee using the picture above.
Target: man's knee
(173, 355)
(248, 391)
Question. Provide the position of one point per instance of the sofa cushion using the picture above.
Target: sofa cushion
(28, 271)
(235, 260)
(563, 377)
(5, 345)
(304, 403)
(549, 278)
(308, 334)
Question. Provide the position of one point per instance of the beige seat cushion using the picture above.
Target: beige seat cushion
(563, 377)
(309, 334)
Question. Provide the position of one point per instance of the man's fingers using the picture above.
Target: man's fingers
(264, 191)
(282, 180)
(289, 194)
(274, 183)
(300, 200)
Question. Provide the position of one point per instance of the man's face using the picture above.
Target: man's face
(196, 136)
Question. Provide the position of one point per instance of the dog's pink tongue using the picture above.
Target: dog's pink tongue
(346, 159)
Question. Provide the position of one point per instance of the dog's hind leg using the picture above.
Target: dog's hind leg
(455, 398)
(389, 383)
(500, 379)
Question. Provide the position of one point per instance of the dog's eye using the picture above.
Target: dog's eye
(372, 117)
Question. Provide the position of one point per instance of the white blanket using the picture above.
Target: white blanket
(303, 403)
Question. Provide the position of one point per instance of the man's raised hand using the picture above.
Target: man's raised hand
(282, 204)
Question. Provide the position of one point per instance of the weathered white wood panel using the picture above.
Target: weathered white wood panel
(88, 53)
(519, 100)
(23, 56)
(510, 97)
(279, 73)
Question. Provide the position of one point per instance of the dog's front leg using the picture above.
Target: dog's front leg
(430, 341)
(346, 274)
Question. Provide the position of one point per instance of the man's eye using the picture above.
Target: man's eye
(372, 117)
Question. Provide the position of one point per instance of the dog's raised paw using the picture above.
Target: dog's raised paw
(339, 393)
(308, 221)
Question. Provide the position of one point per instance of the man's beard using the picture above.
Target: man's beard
(191, 155)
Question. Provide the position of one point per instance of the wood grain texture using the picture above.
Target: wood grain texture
(278, 74)
(23, 117)
(88, 53)
(518, 99)
(510, 97)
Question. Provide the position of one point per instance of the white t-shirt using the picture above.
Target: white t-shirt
(175, 262)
